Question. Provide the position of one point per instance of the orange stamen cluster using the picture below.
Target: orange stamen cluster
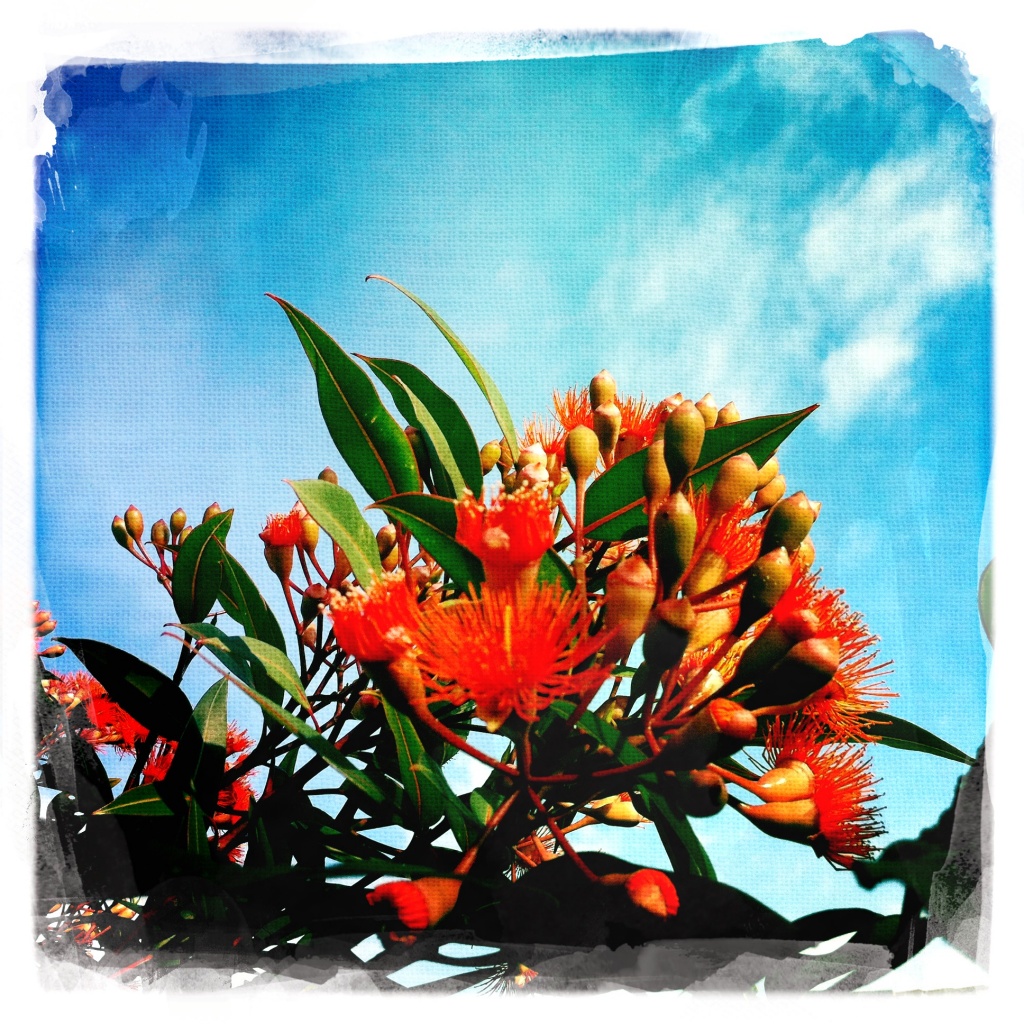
(379, 623)
(283, 530)
(108, 723)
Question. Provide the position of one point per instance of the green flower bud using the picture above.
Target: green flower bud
(489, 455)
(213, 510)
(789, 523)
(581, 451)
(602, 389)
(160, 534)
(708, 410)
(607, 423)
(657, 482)
(310, 533)
(629, 597)
(700, 793)
(770, 493)
(328, 474)
(668, 634)
(735, 480)
(710, 570)
(133, 523)
(719, 730)
(727, 414)
(767, 580)
(675, 531)
(120, 532)
(313, 596)
(178, 520)
(767, 472)
(684, 438)
(805, 669)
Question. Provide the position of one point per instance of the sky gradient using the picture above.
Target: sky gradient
(780, 225)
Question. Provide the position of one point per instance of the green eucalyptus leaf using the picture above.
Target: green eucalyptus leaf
(443, 409)
(479, 374)
(365, 433)
(615, 500)
(895, 732)
(198, 765)
(415, 766)
(150, 697)
(337, 512)
(143, 801)
(198, 844)
(279, 668)
(243, 602)
(432, 521)
(684, 849)
(438, 442)
(197, 569)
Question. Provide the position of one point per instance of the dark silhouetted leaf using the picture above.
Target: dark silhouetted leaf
(365, 433)
(143, 801)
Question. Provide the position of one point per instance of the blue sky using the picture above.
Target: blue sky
(780, 225)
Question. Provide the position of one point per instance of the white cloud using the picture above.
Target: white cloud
(871, 371)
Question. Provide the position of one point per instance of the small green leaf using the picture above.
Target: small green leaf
(684, 849)
(479, 374)
(336, 511)
(615, 500)
(150, 697)
(314, 741)
(443, 409)
(414, 766)
(143, 801)
(197, 569)
(365, 433)
(432, 521)
(895, 732)
(241, 599)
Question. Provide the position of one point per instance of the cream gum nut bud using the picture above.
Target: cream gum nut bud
(120, 532)
(532, 475)
(770, 493)
(767, 580)
(711, 626)
(602, 389)
(328, 474)
(789, 523)
(607, 423)
(708, 409)
(133, 523)
(489, 455)
(309, 636)
(710, 570)
(789, 780)
(805, 553)
(213, 510)
(581, 451)
(675, 532)
(387, 537)
(178, 520)
(767, 472)
(657, 482)
(534, 455)
(795, 820)
(719, 730)
(684, 438)
(629, 597)
(727, 414)
(735, 480)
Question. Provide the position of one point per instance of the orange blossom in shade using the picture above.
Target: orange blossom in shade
(108, 723)
(419, 904)
(510, 536)
(857, 688)
(378, 623)
(835, 819)
(653, 891)
(510, 650)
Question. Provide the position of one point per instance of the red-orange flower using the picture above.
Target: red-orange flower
(654, 891)
(836, 821)
(283, 530)
(108, 723)
(510, 650)
(378, 623)
(419, 904)
(510, 536)
(856, 689)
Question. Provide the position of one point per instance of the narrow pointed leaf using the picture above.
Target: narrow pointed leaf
(895, 732)
(432, 521)
(197, 569)
(365, 433)
(337, 512)
(415, 766)
(143, 801)
(198, 844)
(241, 599)
(443, 409)
(615, 500)
(314, 741)
(279, 668)
(479, 374)
(438, 441)
(198, 765)
(684, 849)
(150, 697)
